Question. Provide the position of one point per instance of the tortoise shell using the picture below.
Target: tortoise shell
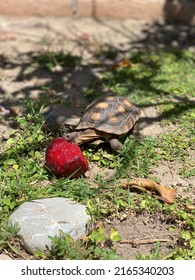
(110, 114)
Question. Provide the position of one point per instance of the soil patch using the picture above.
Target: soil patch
(140, 234)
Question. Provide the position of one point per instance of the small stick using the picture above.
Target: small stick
(145, 241)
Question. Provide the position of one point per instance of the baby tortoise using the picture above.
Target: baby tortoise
(105, 120)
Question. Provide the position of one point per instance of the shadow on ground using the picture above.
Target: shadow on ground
(49, 77)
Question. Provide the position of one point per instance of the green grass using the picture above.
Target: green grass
(49, 60)
(162, 78)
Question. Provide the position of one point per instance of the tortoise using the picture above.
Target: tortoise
(105, 119)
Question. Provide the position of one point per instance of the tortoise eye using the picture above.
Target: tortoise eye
(67, 137)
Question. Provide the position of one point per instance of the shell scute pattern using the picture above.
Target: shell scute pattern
(111, 114)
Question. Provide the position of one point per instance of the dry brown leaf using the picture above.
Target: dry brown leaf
(166, 194)
(123, 64)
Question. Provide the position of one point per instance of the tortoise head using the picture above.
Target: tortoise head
(72, 136)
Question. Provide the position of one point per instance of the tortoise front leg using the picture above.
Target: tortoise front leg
(116, 145)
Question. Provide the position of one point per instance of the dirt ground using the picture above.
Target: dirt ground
(21, 38)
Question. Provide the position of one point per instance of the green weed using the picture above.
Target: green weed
(7, 233)
(95, 246)
(49, 60)
(155, 254)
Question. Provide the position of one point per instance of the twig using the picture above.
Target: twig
(164, 234)
(145, 241)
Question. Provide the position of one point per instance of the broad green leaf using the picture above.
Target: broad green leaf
(11, 161)
(115, 236)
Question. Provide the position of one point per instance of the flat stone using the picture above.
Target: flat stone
(39, 219)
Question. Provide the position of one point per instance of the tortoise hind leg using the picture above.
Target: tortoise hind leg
(116, 145)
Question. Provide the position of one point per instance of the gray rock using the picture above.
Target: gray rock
(41, 218)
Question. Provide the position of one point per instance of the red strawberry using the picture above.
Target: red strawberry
(64, 158)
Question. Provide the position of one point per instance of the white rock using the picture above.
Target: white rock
(41, 218)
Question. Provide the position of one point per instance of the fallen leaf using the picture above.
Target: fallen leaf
(123, 64)
(166, 194)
